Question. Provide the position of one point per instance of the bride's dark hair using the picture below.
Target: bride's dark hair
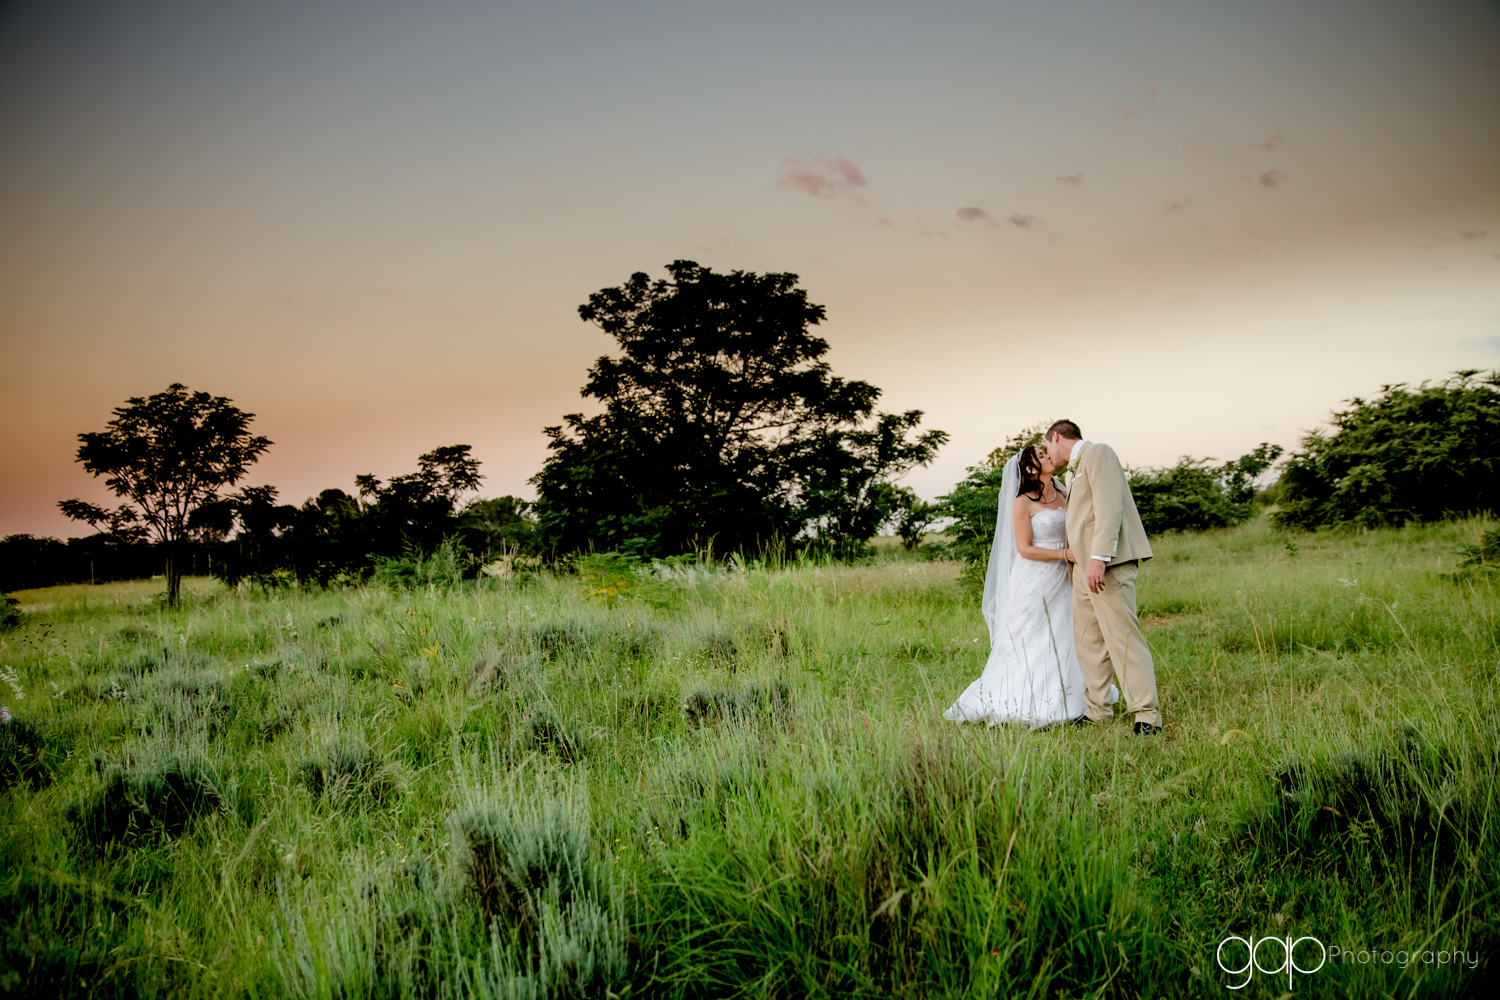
(1030, 470)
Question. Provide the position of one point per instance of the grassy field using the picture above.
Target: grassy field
(738, 782)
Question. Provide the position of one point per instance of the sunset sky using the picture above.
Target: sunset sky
(1190, 226)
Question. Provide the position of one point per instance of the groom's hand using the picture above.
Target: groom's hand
(1096, 575)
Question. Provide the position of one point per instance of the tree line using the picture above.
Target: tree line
(722, 429)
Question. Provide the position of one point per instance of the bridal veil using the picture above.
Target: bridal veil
(1003, 551)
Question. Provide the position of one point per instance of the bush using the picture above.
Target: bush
(704, 707)
(443, 568)
(1194, 496)
(543, 731)
(161, 801)
(1485, 555)
(11, 615)
(27, 755)
(344, 769)
(535, 874)
(1190, 496)
(1407, 455)
(973, 505)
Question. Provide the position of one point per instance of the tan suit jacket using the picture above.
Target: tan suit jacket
(1102, 519)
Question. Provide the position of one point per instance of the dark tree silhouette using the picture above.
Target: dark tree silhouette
(167, 455)
(722, 425)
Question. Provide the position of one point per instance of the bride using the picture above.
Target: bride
(1032, 675)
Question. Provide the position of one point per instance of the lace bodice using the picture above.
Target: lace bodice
(1049, 529)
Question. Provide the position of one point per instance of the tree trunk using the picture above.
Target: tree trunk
(173, 573)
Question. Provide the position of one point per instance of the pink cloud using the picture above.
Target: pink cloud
(1072, 180)
(972, 214)
(823, 176)
(844, 168)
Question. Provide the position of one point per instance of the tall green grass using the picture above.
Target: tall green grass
(737, 782)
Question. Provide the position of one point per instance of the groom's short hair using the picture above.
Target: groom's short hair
(1064, 428)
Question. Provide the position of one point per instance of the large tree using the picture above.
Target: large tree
(167, 455)
(722, 426)
(1409, 454)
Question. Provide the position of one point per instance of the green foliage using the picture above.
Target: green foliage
(444, 567)
(413, 530)
(606, 575)
(151, 802)
(536, 874)
(1029, 437)
(973, 505)
(11, 615)
(852, 492)
(912, 516)
(1407, 455)
(28, 755)
(706, 706)
(168, 455)
(723, 429)
(1485, 555)
(1194, 496)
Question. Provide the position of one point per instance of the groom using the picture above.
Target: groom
(1105, 529)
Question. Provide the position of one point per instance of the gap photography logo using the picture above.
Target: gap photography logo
(1274, 957)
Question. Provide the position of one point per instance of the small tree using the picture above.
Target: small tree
(167, 455)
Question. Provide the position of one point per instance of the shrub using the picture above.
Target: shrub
(606, 575)
(160, 801)
(27, 755)
(343, 770)
(443, 568)
(1485, 555)
(973, 506)
(1195, 496)
(1407, 455)
(535, 874)
(755, 701)
(542, 730)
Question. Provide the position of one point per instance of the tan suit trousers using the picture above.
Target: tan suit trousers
(1107, 632)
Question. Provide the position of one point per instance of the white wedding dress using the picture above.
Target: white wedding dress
(1032, 675)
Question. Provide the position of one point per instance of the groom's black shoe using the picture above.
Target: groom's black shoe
(1146, 729)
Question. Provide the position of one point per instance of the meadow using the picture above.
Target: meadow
(735, 781)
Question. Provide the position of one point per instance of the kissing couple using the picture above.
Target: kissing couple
(1059, 594)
